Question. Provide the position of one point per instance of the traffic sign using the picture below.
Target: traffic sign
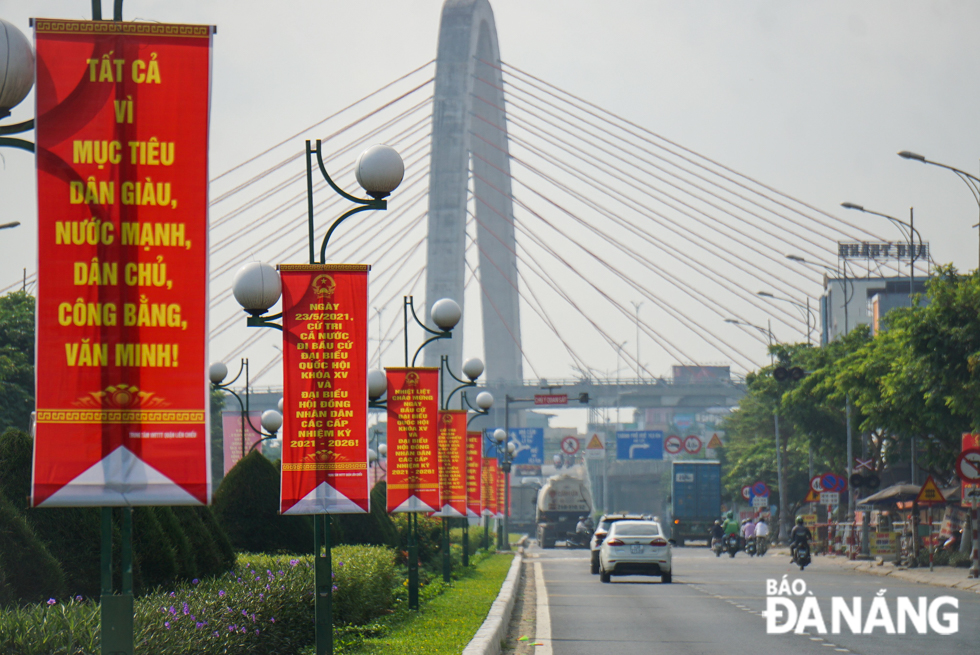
(570, 445)
(692, 444)
(714, 443)
(760, 489)
(863, 464)
(594, 449)
(642, 444)
(829, 498)
(930, 494)
(551, 399)
(968, 465)
(815, 485)
(828, 482)
(673, 444)
(812, 497)
(970, 494)
(747, 492)
(760, 501)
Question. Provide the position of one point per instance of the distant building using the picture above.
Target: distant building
(868, 300)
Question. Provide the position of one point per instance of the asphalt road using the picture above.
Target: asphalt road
(717, 605)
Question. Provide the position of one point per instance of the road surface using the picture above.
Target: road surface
(717, 606)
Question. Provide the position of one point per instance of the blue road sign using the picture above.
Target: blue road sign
(530, 446)
(644, 444)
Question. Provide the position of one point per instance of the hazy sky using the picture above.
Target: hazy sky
(811, 98)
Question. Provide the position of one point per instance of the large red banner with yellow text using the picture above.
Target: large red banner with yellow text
(122, 322)
(451, 439)
(413, 458)
(490, 481)
(324, 346)
(474, 464)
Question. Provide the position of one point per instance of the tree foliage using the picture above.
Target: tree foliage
(16, 360)
(917, 378)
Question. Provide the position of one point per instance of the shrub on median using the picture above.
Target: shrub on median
(264, 605)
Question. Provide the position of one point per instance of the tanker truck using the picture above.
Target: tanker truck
(561, 501)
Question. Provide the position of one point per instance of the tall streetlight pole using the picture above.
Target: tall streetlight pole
(808, 313)
(908, 231)
(765, 331)
(972, 181)
(636, 307)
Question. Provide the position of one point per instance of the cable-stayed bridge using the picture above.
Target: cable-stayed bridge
(570, 229)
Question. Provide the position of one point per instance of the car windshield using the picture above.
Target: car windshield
(636, 529)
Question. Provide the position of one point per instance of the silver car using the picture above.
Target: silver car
(635, 548)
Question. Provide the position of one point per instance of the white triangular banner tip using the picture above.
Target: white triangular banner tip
(448, 511)
(324, 499)
(470, 514)
(413, 504)
(120, 479)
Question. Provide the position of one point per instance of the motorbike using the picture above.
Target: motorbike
(750, 546)
(717, 547)
(732, 544)
(578, 539)
(801, 556)
(761, 546)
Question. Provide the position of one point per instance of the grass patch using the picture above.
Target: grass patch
(514, 537)
(446, 622)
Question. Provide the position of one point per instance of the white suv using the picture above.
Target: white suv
(635, 548)
(603, 528)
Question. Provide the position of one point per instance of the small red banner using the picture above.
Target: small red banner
(551, 399)
(121, 126)
(490, 481)
(501, 493)
(239, 436)
(474, 465)
(413, 457)
(452, 463)
(324, 436)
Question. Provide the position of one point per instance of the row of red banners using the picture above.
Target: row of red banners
(122, 403)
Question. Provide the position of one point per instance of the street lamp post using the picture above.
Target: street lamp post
(484, 402)
(908, 231)
(636, 307)
(507, 452)
(257, 287)
(445, 313)
(972, 181)
(807, 312)
(472, 369)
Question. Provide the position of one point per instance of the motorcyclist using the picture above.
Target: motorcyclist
(799, 535)
(731, 526)
(761, 534)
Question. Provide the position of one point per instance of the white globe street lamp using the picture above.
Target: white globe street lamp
(484, 400)
(379, 170)
(257, 287)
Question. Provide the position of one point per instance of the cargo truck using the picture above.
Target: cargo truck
(695, 499)
(561, 501)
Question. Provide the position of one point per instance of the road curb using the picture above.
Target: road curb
(487, 639)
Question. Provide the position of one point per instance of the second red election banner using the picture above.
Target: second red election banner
(474, 466)
(122, 301)
(413, 460)
(490, 484)
(452, 463)
(324, 437)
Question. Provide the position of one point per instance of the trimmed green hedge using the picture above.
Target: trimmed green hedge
(264, 605)
(168, 543)
(30, 573)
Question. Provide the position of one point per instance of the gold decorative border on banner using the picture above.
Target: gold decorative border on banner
(58, 26)
(364, 268)
(119, 416)
(327, 466)
(417, 486)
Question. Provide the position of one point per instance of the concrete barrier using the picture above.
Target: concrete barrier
(487, 639)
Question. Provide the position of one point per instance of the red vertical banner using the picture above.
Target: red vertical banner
(451, 444)
(413, 457)
(122, 113)
(325, 340)
(501, 493)
(489, 480)
(474, 468)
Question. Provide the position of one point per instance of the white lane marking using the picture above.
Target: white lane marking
(542, 617)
